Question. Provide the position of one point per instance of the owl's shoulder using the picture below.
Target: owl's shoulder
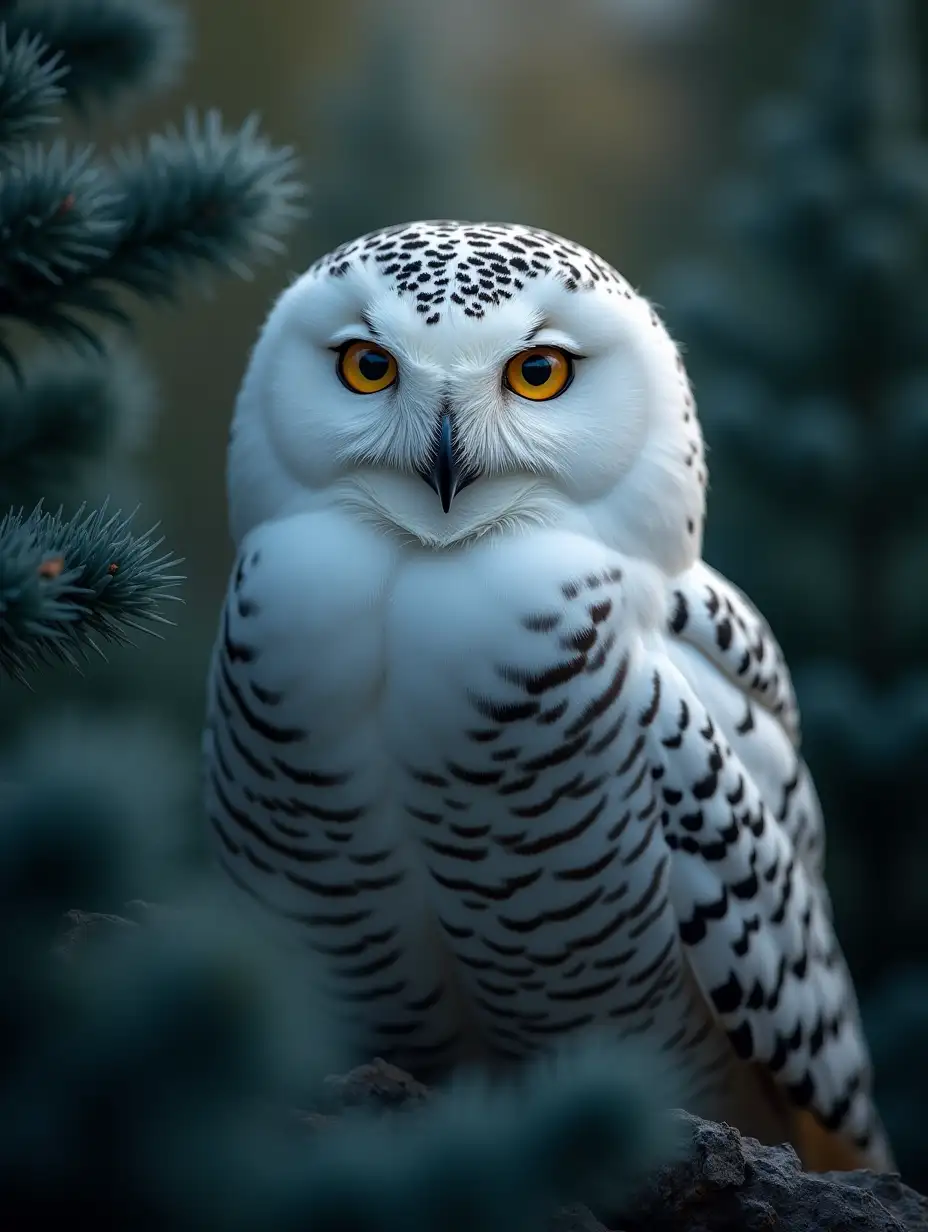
(710, 615)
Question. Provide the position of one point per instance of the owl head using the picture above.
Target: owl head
(448, 380)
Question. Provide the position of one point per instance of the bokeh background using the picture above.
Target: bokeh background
(760, 171)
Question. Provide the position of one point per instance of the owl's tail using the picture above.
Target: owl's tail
(822, 1150)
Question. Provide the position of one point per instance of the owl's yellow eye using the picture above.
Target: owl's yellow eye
(539, 373)
(366, 368)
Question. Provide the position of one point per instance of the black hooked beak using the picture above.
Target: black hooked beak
(445, 474)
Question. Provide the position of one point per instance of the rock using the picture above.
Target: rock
(888, 1189)
(377, 1086)
(728, 1183)
(82, 926)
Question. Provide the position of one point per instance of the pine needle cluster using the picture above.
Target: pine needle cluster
(82, 234)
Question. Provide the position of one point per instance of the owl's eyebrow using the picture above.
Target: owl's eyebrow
(536, 329)
(557, 338)
(366, 320)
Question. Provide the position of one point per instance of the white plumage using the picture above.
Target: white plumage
(484, 731)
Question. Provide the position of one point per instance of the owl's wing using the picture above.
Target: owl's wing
(754, 918)
(711, 614)
(731, 659)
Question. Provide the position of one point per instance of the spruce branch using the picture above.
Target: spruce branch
(65, 581)
(108, 46)
(201, 195)
(59, 223)
(76, 233)
(30, 84)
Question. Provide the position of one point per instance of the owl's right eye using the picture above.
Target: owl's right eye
(365, 367)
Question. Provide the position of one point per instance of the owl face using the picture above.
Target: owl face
(448, 379)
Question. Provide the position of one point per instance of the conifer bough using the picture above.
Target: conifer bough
(77, 233)
(64, 581)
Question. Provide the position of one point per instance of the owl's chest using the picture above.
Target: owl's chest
(477, 734)
(447, 641)
(409, 640)
(529, 781)
(484, 674)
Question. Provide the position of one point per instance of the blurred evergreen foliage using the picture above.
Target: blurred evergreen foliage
(150, 1071)
(153, 1062)
(77, 234)
(807, 338)
(151, 1068)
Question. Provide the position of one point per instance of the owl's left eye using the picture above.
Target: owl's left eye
(365, 367)
(539, 373)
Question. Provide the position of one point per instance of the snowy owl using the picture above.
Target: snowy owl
(485, 734)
